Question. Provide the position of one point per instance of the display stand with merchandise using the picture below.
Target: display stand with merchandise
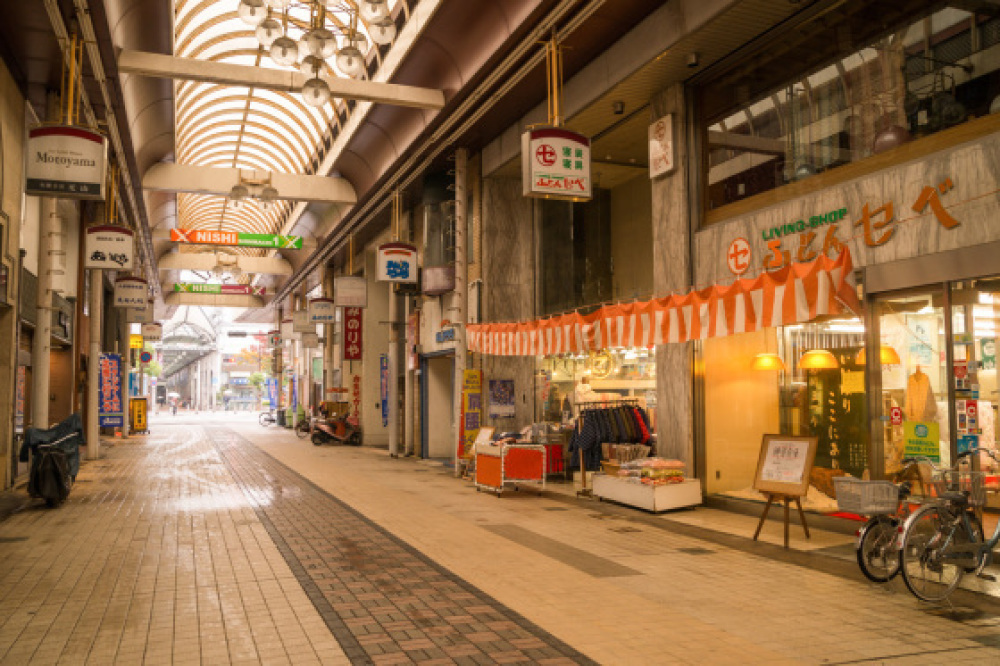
(652, 484)
(509, 464)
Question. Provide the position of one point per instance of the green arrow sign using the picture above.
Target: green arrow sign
(235, 238)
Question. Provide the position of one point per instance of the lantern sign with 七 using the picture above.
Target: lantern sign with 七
(556, 164)
(350, 292)
(397, 262)
(67, 162)
(152, 332)
(322, 311)
(352, 334)
(661, 146)
(131, 292)
(108, 247)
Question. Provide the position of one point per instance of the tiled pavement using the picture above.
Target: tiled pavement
(172, 550)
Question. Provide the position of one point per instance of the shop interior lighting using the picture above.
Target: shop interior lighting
(768, 361)
(818, 359)
(887, 355)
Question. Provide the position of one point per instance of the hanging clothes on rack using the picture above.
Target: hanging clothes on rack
(612, 422)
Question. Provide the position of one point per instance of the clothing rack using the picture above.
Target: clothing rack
(591, 406)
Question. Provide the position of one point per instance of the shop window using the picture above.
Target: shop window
(803, 106)
(566, 382)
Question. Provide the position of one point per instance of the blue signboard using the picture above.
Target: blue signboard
(272, 391)
(295, 392)
(383, 373)
(111, 406)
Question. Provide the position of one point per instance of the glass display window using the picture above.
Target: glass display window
(565, 383)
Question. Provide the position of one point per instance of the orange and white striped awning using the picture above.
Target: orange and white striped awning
(794, 294)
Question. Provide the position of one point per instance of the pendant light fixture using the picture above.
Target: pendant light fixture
(767, 361)
(887, 355)
(818, 359)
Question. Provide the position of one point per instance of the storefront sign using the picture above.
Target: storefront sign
(233, 238)
(108, 247)
(224, 289)
(502, 404)
(152, 332)
(383, 391)
(350, 292)
(322, 311)
(135, 341)
(356, 398)
(472, 411)
(111, 412)
(310, 340)
(272, 392)
(556, 164)
(140, 315)
(922, 439)
(896, 416)
(67, 162)
(138, 409)
(785, 461)
(967, 442)
(397, 262)
(445, 335)
(738, 256)
(661, 146)
(352, 334)
(131, 292)
(301, 322)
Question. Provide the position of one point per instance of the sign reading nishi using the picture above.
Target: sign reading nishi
(207, 237)
(108, 247)
(556, 164)
(67, 162)
(226, 289)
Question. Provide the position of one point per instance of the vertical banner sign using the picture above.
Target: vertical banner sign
(350, 292)
(130, 292)
(111, 406)
(661, 146)
(301, 323)
(66, 162)
(383, 376)
(355, 399)
(472, 411)
(397, 262)
(108, 247)
(152, 332)
(555, 164)
(322, 311)
(352, 334)
(272, 392)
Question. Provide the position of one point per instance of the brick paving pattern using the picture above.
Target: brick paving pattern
(385, 602)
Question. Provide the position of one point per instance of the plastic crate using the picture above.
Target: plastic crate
(866, 497)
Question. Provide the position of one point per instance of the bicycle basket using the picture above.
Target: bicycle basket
(865, 497)
(965, 481)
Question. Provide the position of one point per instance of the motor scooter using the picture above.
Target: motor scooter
(337, 427)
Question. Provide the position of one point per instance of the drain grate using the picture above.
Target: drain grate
(695, 551)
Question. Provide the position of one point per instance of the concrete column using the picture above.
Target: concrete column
(48, 231)
(409, 395)
(461, 293)
(394, 356)
(93, 367)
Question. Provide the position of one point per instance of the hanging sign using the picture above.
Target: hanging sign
(287, 332)
(111, 408)
(661, 146)
(206, 237)
(301, 323)
(135, 341)
(224, 289)
(556, 164)
(67, 162)
(152, 332)
(350, 292)
(131, 292)
(108, 247)
(322, 311)
(472, 411)
(310, 340)
(274, 338)
(352, 334)
(397, 262)
(140, 315)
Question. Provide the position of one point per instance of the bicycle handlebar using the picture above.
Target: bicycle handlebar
(990, 452)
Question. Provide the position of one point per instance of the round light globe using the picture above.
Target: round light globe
(285, 51)
(349, 61)
(315, 92)
(382, 32)
(268, 31)
(252, 12)
(374, 10)
(320, 42)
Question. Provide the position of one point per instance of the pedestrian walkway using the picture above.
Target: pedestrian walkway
(219, 541)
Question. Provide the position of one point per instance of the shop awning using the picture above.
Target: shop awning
(791, 295)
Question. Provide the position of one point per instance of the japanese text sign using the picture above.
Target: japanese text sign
(67, 162)
(350, 292)
(322, 311)
(353, 334)
(108, 247)
(131, 292)
(142, 314)
(111, 408)
(152, 332)
(397, 262)
(784, 464)
(555, 164)
(661, 146)
(301, 322)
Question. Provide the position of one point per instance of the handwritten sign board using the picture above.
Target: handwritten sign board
(784, 464)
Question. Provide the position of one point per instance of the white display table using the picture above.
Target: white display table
(650, 498)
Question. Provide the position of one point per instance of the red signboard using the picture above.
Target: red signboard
(896, 415)
(352, 334)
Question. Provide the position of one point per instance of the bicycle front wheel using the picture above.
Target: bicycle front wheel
(265, 419)
(927, 571)
(878, 549)
(303, 429)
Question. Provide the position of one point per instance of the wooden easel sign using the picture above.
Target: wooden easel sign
(783, 474)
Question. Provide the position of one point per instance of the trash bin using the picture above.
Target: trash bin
(281, 418)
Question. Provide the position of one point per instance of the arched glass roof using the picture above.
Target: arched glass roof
(248, 128)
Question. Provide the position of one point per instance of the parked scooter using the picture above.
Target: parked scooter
(337, 427)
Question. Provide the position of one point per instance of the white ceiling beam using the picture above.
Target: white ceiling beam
(213, 300)
(206, 71)
(170, 177)
(163, 236)
(206, 261)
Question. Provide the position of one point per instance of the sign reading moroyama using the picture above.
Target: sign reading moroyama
(67, 162)
(108, 247)
(350, 292)
(131, 292)
(556, 164)
(322, 311)
(397, 262)
(152, 332)
(142, 314)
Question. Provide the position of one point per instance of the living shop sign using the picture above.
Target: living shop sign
(108, 247)
(555, 164)
(66, 162)
(799, 241)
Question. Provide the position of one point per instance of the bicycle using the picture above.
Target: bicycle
(267, 418)
(943, 541)
(888, 505)
(304, 428)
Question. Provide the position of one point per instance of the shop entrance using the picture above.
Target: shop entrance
(936, 392)
(437, 395)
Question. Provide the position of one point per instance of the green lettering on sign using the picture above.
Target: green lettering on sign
(271, 241)
(922, 438)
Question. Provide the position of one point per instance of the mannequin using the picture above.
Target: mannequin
(584, 392)
(920, 403)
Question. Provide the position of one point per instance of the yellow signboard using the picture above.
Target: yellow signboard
(137, 411)
(135, 341)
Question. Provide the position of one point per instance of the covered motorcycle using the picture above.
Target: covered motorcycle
(55, 459)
